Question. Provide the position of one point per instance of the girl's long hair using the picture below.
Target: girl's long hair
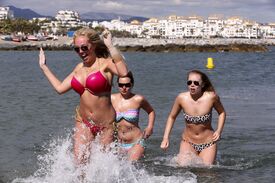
(206, 81)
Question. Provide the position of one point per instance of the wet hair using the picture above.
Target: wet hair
(206, 81)
(128, 75)
(101, 50)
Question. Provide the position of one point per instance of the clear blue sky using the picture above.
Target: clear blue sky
(259, 10)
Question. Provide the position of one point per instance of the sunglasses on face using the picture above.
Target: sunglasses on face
(127, 85)
(196, 83)
(82, 47)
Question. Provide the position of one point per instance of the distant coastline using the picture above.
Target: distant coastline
(155, 45)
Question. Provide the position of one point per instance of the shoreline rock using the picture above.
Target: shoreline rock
(196, 48)
(155, 45)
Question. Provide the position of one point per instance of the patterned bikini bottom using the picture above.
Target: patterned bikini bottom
(200, 147)
(129, 146)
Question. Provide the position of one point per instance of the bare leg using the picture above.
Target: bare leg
(208, 155)
(136, 152)
(184, 157)
(82, 140)
(106, 136)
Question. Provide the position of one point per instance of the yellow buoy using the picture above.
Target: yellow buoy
(210, 63)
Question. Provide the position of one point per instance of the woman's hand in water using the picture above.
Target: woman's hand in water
(42, 58)
(164, 144)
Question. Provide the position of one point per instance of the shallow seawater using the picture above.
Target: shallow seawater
(36, 124)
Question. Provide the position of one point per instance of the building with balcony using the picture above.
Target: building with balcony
(68, 19)
(6, 13)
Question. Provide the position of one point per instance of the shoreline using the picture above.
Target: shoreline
(154, 45)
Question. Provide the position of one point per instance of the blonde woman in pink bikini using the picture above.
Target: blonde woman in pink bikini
(92, 80)
(197, 103)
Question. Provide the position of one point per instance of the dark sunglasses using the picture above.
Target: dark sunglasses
(196, 83)
(127, 85)
(82, 47)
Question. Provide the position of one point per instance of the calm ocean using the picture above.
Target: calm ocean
(36, 123)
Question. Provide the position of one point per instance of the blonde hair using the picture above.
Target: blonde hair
(91, 34)
(100, 48)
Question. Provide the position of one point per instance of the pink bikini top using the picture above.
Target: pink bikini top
(96, 84)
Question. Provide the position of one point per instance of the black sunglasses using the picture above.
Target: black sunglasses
(196, 83)
(82, 47)
(127, 85)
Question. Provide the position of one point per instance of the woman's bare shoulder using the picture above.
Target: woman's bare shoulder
(138, 97)
(78, 67)
(212, 95)
(183, 95)
(106, 61)
(115, 95)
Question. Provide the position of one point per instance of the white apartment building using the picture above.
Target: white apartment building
(135, 27)
(5, 13)
(233, 28)
(212, 26)
(151, 28)
(236, 27)
(94, 24)
(172, 27)
(194, 27)
(267, 30)
(251, 29)
(65, 19)
(118, 25)
(115, 24)
(68, 19)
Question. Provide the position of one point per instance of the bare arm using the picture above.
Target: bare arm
(148, 131)
(60, 87)
(170, 122)
(118, 65)
(221, 120)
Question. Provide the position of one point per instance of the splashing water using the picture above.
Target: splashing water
(57, 165)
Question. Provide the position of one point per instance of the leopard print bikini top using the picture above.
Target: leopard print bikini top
(197, 119)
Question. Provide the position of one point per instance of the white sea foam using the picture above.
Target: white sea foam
(57, 166)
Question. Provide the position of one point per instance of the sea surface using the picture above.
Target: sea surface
(36, 123)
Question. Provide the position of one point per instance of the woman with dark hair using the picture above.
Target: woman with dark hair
(127, 106)
(197, 104)
(92, 80)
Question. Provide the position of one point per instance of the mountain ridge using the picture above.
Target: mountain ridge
(25, 13)
(88, 16)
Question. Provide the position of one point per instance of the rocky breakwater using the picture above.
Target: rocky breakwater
(154, 45)
(63, 43)
(194, 45)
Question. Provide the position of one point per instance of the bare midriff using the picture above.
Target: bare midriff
(128, 132)
(198, 133)
(97, 108)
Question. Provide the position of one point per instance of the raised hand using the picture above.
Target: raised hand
(42, 58)
(107, 38)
